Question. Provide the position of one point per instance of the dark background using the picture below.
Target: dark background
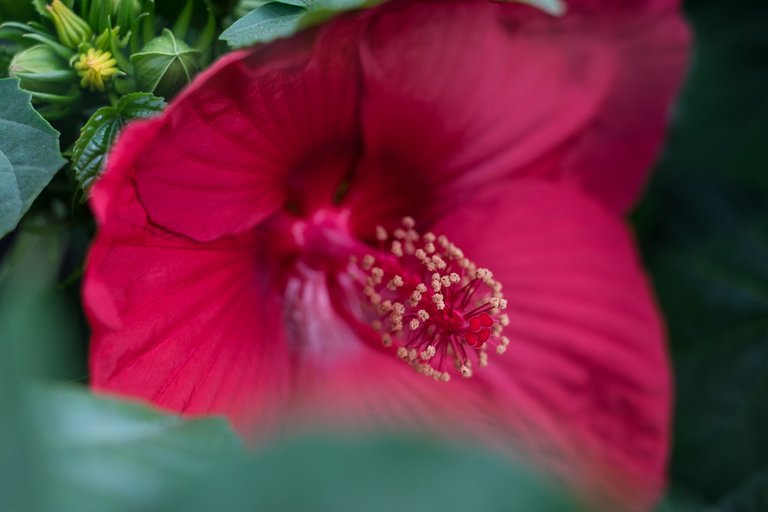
(703, 230)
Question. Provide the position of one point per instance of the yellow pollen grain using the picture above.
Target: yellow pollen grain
(413, 324)
(381, 233)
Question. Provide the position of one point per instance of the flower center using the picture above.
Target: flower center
(431, 305)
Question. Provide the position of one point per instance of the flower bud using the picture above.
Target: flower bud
(44, 73)
(165, 65)
(108, 14)
(95, 67)
(71, 28)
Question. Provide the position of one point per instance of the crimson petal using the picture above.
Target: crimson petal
(587, 364)
(259, 129)
(185, 325)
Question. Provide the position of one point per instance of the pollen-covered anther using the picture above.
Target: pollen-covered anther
(395, 283)
(377, 275)
(429, 304)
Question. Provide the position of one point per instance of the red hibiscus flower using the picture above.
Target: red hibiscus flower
(410, 216)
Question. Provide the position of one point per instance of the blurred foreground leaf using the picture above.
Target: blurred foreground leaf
(105, 455)
(374, 474)
(29, 154)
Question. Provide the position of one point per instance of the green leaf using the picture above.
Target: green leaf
(29, 154)
(100, 131)
(376, 474)
(264, 24)
(102, 454)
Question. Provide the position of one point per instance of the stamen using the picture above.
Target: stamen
(452, 307)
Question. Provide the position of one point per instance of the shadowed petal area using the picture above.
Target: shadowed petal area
(454, 99)
(584, 386)
(192, 327)
(459, 93)
(612, 157)
(236, 145)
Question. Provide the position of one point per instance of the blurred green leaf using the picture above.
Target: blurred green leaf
(15, 10)
(102, 128)
(40, 320)
(29, 154)
(354, 473)
(750, 496)
(106, 455)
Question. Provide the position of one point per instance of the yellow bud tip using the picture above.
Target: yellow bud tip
(95, 67)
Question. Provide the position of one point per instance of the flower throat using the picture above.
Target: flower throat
(430, 304)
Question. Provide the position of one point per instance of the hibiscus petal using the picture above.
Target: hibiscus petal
(587, 361)
(585, 383)
(236, 145)
(458, 94)
(611, 159)
(192, 327)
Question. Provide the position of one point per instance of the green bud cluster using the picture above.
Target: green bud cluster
(105, 46)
